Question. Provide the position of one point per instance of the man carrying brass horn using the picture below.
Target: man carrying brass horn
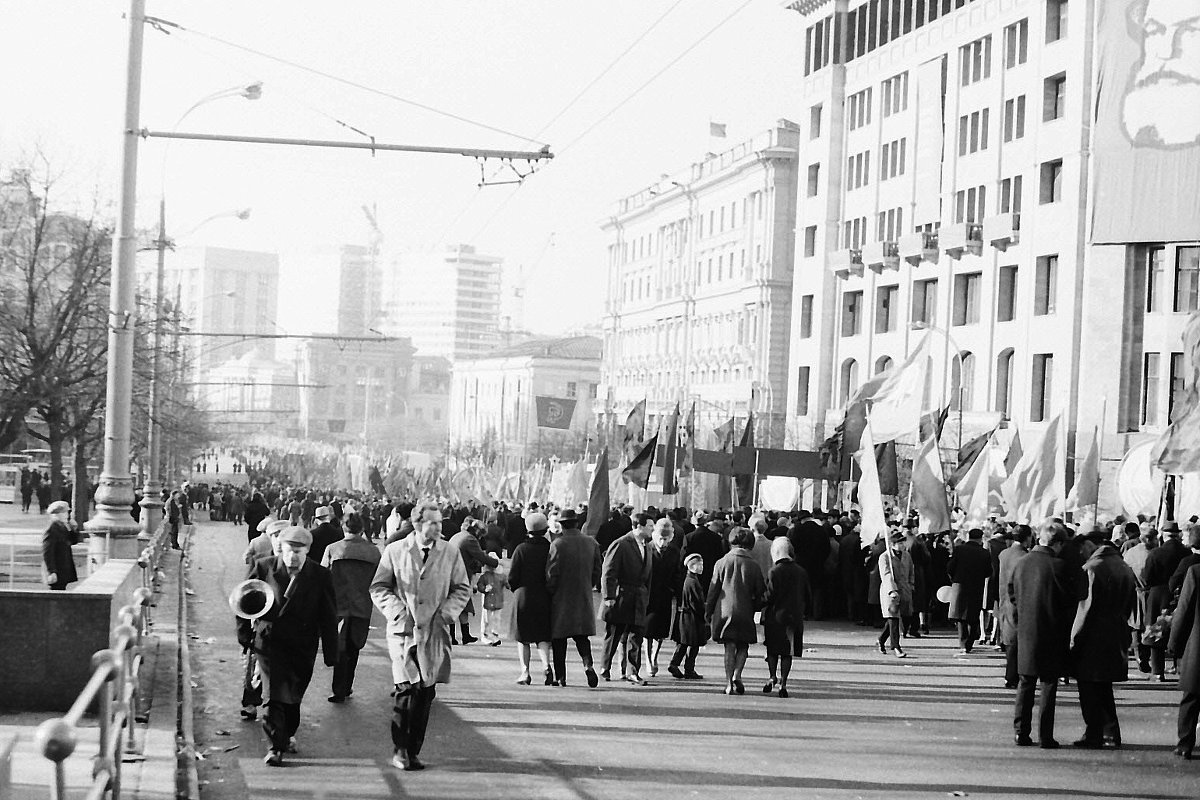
(285, 637)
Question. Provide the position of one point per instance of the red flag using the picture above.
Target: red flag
(670, 482)
(638, 471)
(598, 499)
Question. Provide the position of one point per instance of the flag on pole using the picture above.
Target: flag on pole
(635, 430)
(687, 442)
(716, 130)
(638, 471)
(1086, 491)
(870, 501)
(670, 481)
(929, 487)
(974, 489)
(896, 397)
(745, 483)
(1177, 449)
(725, 434)
(577, 483)
(1015, 451)
(967, 455)
(598, 499)
(885, 462)
(932, 423)
(1031, 491)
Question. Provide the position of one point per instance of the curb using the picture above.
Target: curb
(187, 779)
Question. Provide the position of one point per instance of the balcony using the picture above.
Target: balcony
(962, 238)
(1003, 230)
(845, 263)
(918, 247)
(879, 256)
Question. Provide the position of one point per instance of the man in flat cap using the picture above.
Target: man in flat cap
(56, 546)
(326, 531)
(304, 612)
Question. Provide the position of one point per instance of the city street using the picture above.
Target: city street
(858, 724)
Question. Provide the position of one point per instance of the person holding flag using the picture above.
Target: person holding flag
(895, 591)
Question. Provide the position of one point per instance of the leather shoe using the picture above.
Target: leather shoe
(1183, 753)
(1023, 741)
(606, 675)
(414, 763)
(336, 698)
(273, 758)
(676, 672)
(693, 676)
(1088, 744)
(1049, 744)
(592, 680)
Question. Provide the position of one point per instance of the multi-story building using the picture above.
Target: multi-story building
(493, 400)
(699, 299)
(447, 303)
(427, 415)
(360, 289)
(956, 159)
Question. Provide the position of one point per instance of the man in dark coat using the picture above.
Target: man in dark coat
(1042, 607)
(854, 584)
(609, 530)
(324, 534)
(1185, 645)
(1175, 584)
(514, 532)
(256, 511)
(1156, 576)
(1100, 643)
(709, 544)
(625, 588)
(285, 639)
(811, 544)
(56, 547)
(969, 568)
(666, 583)
(572, 569)
(474, 559)
(1018, 549)
(351, 563)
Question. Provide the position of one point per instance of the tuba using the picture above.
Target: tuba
(251, 599)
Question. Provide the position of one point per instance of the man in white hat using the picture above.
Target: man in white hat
(324, 533)
(56, 547)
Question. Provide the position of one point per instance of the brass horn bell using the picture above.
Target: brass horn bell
(251, 599)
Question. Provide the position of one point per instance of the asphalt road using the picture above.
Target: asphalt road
(857, 724)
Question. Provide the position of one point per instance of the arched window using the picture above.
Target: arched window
(1004, 382)
(962, 382)
(882, 364)
(849, 380)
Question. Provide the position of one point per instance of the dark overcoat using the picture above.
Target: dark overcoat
(1043, 610)
(709, 545)
(1100, 636)
(572, 569)
(1004, 606)
(303, 614)
(1185, 632)
(969, 568)
(788, 597)
(56, 553)
(690, 627)
(625, 580)
(531, 598)
(666, 582)
(735, 593)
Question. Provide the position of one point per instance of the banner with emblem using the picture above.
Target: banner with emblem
(554, 412)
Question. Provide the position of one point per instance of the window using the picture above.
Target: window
(1150, 366)
(1176, 390)
(962, 382)
(1045, 286)
(802, 377)
(814, 179)
(849, 380)
(1014, 118)
(814, 121)
(970, 204)
(891, 159)
(1010, 195)
(973, 132)
(1051, 189)
(1043, 377)
(806, 314)
(1004, 382)
(1056, 20)
(859, 109)
(1187, 278)
(854, 233)
(852, 313)
(924, 301)
(890, 225)
(1054, 97)
(858, 170)
(1155, 272)
(810, 241)
(1006, 300)
(895, 95)
(1016, 44)
(966, 298)
(975, 61)
(887, 309)
(883, 364)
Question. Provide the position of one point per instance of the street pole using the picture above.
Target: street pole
(114, 497)
(151, 503)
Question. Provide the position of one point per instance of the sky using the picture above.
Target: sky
(510, 70)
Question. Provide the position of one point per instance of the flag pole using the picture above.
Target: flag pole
(1099, 460)
(756, 478)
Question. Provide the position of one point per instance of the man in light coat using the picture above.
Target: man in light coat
(420, 587)
(625, 587)
(572, 569)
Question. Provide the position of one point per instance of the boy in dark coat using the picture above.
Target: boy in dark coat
(690, 630)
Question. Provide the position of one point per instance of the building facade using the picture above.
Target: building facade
(699, 298)
(360, 290)
(493, 400)
(447, 303)
(949, 190)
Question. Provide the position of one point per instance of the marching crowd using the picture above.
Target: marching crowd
(1061, 605)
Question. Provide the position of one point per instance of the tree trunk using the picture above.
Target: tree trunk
(82, 499)
(54, 440)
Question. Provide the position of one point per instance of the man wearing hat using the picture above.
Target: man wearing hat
(1160, 566)
(325, 533)
(572, 569)
(56, 547)
(265, 545)
(303, 613)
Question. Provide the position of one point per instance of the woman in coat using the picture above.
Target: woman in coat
(256, 511)
(666, 582)
(895, 591)
(789, 595)
(735, 593)
(531, 597)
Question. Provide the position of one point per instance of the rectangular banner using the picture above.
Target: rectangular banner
(554, 412)
(1146, 137)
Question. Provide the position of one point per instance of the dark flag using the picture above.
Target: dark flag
(852, 427)
(966, 458)
(635, 430)
(831, 456)
(554, 412)
(932, 423)
(687, 441)
(670, 481)
(885, 460)
(598, 499)
(745, 483)
(638, 471)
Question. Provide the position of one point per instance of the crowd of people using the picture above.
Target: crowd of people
(1060, 604)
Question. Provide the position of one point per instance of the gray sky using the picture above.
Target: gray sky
(510, 64)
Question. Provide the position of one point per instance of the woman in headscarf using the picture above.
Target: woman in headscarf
(789, 595)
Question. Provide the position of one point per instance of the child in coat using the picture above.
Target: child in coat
(689, 630)
(491, 585)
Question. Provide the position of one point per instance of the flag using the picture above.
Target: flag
(885, 462)
(725, 435)
(745, 483)
(554, 412)
(716, 130)
(1086, 491)
(896, 397)
(1177, 449)
(929, 487)
(598, 500)
(1015, 451)
(635, 430)
(670, 481)
(966, 457)
(638, 470)
(852, 425)
(831, 456)
(974, 489)
(1032, 491)
(687, 442)
(535, 482)
(870, 501)
(932, 423)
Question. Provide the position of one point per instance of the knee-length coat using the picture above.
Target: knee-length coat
(1185, 632)
(895, 575)
(1043, 609)
(735, 593)
(1100, 634)
(666, 582)
(531, 596)
(572, 569)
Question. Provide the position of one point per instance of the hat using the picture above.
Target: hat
(568, 515)
(895, 536)
(262, 524)
(1170, 526)
(692, 557)
(295, 534)
(323, 512)
(59, 507)
(536, 523)
(275, 526)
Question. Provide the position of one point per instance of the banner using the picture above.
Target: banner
(554, 412)
(1146, 135)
